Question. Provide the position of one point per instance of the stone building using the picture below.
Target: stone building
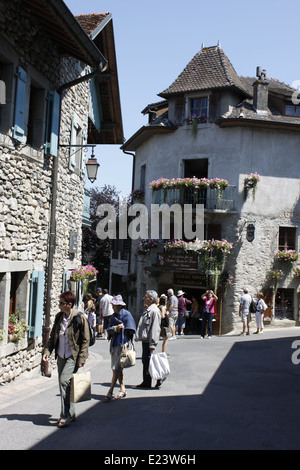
(61, 94)
(211, 123)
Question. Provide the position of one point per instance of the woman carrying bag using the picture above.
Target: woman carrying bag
(120, 331)
(70, 343)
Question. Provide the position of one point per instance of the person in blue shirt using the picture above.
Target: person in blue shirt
(121, 330)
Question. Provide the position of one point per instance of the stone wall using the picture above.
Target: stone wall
(26, 177)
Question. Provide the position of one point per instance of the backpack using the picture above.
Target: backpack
(92, 333)
(252, 307)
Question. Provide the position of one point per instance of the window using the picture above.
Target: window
(143, 177)
(292, 110)
(287, 238)
(36, 116)
(199, 108)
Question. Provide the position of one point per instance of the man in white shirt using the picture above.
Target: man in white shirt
(244, 310)
(106, 310)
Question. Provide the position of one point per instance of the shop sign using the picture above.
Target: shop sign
(190, 279)
(177, 260)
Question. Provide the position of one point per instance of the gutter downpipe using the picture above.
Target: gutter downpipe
(45, 366)
(132, 187)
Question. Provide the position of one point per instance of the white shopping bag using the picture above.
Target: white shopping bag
(159, 367)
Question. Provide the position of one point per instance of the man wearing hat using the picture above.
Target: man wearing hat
(182, 304)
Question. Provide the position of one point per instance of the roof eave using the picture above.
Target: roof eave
(143, 134)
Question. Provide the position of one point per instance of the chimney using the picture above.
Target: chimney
(260, 92)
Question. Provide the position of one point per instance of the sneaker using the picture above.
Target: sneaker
(209, 337)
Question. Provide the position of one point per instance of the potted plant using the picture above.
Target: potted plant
(16, 327)
(287, 255)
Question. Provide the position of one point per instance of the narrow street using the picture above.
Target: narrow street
(230, 392)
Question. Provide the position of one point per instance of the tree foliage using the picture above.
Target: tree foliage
(94, 250)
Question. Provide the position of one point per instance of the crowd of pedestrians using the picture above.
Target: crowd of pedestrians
(163, 317)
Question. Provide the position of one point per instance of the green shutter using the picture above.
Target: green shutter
(20, 102)
(52, 125)
(36, 307)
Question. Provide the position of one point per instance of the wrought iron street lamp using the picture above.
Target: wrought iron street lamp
(92, 165)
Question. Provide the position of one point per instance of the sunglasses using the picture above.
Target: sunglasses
(63, 303)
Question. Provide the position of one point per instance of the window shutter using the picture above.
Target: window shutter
(53, 117)
(20, 101)
(72, 160)
(36, 304)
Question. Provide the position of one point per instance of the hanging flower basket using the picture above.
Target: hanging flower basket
(145, 246)
(83, 272)
(137, 195)
(297, 273)
(175, 245)
(250, 182)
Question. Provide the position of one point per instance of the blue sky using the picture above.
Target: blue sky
(155, 40)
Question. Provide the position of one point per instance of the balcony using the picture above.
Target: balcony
(214, 201)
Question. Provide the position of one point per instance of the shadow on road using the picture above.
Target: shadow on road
(252, 402)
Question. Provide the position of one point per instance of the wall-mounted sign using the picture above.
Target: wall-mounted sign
(179, 261)
(190, 279)
(73, 242)
(250, 233)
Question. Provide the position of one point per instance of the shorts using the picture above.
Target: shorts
(106, 321)
(172, 321)
(246, 317)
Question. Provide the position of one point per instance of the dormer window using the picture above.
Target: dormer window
(292, 110)
(198, 109)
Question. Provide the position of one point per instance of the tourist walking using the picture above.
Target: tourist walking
(210, 299)
(182, 304)
(261, 306)
(121, 330)
(106, 310)
(99, 320)
(148, 332)
(70, 341)
(165, 324)
(172, 308)
(244, 310)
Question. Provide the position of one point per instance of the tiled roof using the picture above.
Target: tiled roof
(209, 69)
(90, 22)
(274, 86)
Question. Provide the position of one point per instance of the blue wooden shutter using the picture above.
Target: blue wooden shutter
(52, 125)
(20, 102)
(36, 304)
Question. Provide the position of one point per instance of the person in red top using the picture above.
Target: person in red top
(208, 313)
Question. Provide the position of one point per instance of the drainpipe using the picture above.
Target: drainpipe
(46, 371)
(132, 188)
